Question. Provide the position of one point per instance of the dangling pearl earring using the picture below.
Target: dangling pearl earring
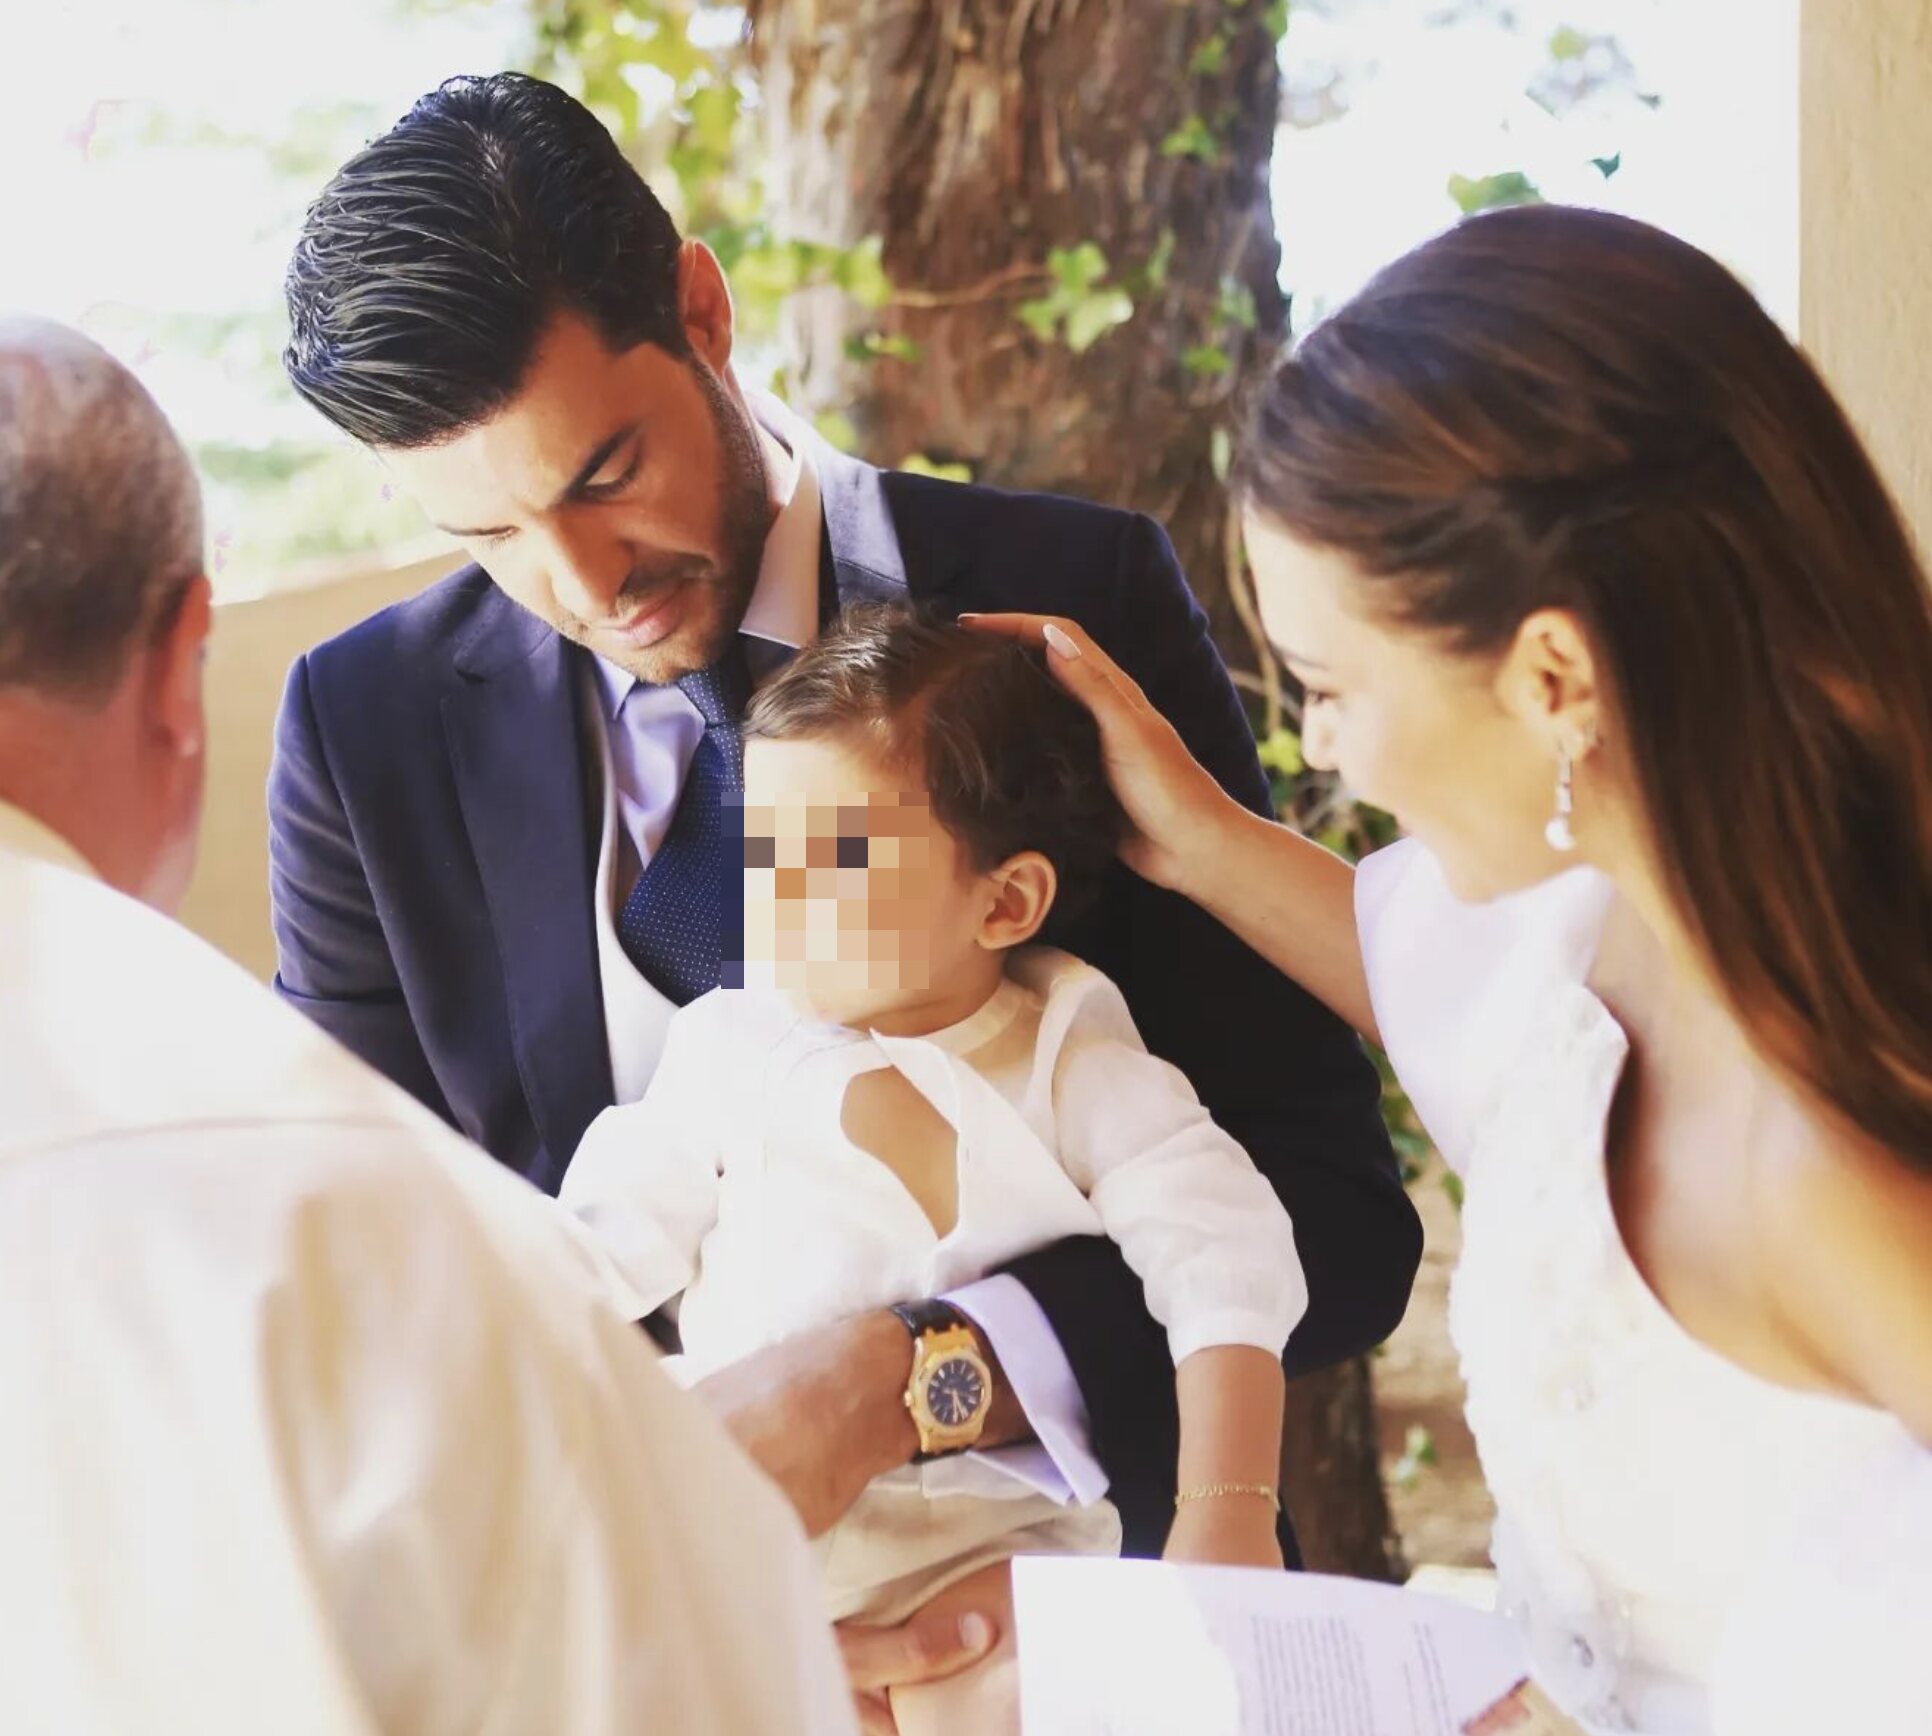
(1558, 832)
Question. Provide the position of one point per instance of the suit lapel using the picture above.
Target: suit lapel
(517, 753)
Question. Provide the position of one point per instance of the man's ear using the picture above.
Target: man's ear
(176, 660)
(704, 304)
(1023, 889)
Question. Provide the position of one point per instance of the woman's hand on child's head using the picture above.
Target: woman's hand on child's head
(1163, 788)
(1225, 1531)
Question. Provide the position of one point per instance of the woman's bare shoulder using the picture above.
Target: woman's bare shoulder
(1847, 1234)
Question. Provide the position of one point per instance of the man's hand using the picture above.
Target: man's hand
(927, 1648)
(824, 1413)
(821, 1414)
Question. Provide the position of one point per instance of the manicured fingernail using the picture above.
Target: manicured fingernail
(976, 1632)
(968, 615)
(1060, 641)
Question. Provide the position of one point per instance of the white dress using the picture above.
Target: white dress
(1689, 1548)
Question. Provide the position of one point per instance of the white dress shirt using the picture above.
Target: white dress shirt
(317, 1420)
(734, 1184)
(645, 737)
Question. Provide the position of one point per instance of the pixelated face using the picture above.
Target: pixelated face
(858, 902)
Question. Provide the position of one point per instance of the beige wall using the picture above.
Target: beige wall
(254, 644)
(1865, 286)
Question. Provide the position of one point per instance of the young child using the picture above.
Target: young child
(912, 1096)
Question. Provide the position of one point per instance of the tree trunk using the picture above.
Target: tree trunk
(975, 138)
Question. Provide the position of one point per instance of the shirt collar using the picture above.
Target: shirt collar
(784, 602)
(22, 835)
(980, 1026)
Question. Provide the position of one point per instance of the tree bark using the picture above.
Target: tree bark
(974, 137)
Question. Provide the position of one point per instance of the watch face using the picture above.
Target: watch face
(954, 1393)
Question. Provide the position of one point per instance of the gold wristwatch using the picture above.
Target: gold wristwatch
(950, 1389)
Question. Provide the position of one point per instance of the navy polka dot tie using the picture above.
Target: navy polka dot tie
(686, 914)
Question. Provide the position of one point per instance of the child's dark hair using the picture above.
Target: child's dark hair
(1009, 759)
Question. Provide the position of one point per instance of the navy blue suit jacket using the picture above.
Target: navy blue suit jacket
(431, 856)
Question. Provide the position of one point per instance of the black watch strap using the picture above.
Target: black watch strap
(930, 1315)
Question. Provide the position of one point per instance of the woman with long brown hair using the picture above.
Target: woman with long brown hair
(1588, 581)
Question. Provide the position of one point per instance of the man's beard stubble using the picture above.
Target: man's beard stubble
(744, 523)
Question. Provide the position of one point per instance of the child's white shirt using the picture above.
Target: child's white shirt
(733, 1183)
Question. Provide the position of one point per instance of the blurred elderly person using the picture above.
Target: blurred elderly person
(311, 1418)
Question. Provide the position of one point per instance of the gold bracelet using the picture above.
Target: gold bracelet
(1209, 1491)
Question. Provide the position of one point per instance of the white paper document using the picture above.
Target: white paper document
(1139, 1648)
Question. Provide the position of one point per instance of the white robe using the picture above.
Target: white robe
(313, 1418)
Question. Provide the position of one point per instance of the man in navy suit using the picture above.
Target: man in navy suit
(483, 800)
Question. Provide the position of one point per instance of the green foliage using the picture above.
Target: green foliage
(1280, 753)
(1080, 308)
(870, 346)
(1236, 305)
(920, 465)
(837, 428)
(1493, 192)
(1569, 43)
(1418, 1451)
(1210, 59)
(1193, 138)
(1221, 458)
(1607, 166)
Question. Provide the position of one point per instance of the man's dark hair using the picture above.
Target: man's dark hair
(100, 515)
(1009, 759)
(432, 263)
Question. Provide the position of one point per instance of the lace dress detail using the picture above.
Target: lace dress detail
(1658, 1507)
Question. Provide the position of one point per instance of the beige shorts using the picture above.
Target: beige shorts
(898, 1548)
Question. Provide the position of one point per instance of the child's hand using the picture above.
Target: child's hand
(1226, 1530)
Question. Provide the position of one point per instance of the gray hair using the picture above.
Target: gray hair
(100, 512)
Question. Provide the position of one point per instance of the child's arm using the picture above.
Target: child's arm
(644, 1182)
(1227, 1496)
(1215, 1250)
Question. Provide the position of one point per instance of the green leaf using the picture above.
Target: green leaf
(1160, 259)
(1276, 19)
(860, 272)
(1192, 138)
(837, 428)
(1041, 318)
(1210, 59)
(1452, 1186)
(920, 465)
(1418, 1450)
(1205, 360)
(1236, 305)
(1493, 192)
(1607, 166)
(661, 43)
(1221, 456)
(1569, 43)
(1093, 316)
(870, 346)
(1281, 751)
(1077, 269)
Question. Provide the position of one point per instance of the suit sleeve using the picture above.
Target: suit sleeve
(332, 957)
(1277, 1070)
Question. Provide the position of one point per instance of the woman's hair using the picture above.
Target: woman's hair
(1009, 760)
(1557, 408)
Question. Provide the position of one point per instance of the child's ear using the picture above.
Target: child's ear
(1023, 888)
